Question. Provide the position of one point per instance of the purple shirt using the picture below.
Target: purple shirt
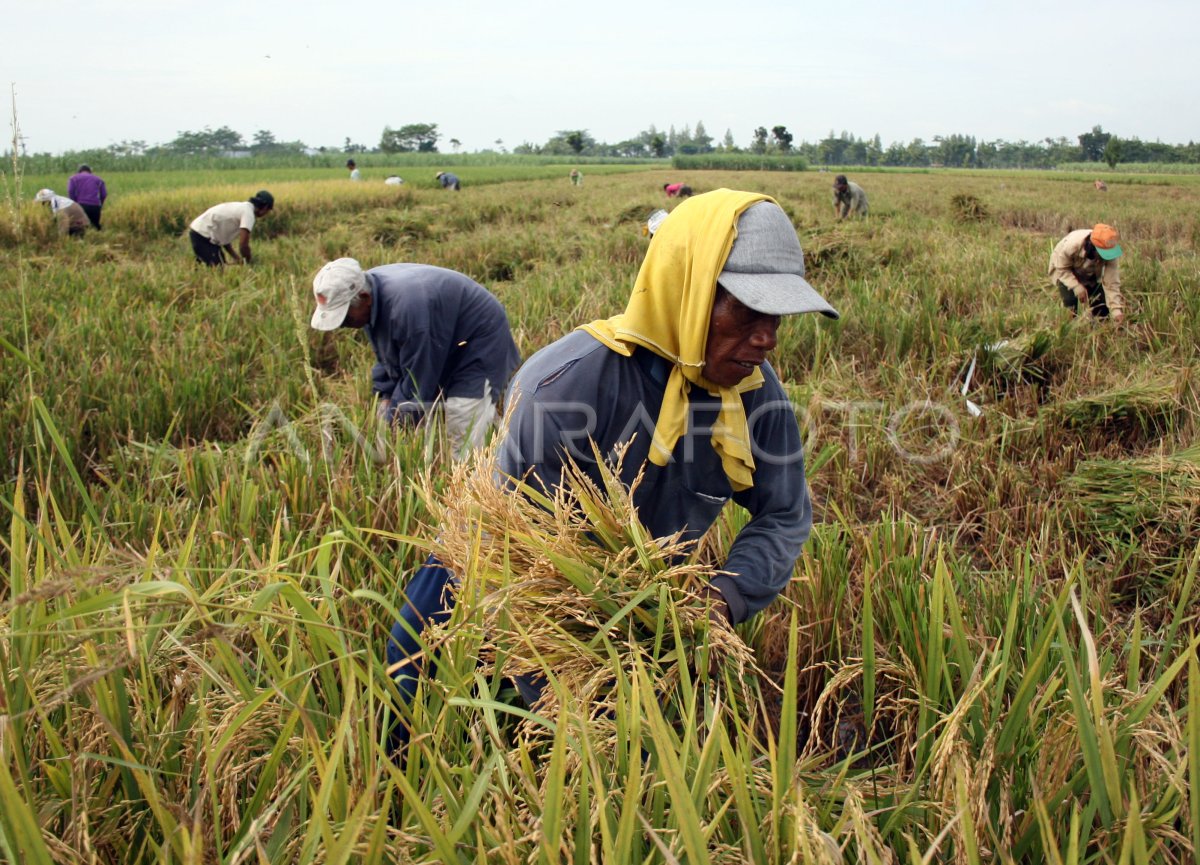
(86, 188)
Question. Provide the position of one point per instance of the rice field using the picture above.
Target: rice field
(988, 652)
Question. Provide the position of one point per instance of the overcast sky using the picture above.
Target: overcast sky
(88, 74)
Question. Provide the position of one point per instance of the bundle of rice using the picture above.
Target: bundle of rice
(1145, 408)
(568, 587)
(1020, 360)
(1153, 500)
(968, 208)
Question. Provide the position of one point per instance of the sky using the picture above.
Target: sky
(89, 74)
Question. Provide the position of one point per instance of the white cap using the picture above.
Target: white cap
(44, 195)
(335, 287)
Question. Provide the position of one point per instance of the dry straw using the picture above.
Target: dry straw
(564, 587)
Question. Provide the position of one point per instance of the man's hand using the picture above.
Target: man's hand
(383, 409)
(1118, 316)
(718, 612)
(1081, 295)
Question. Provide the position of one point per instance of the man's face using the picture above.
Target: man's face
(260, 212)
(358, 316)
(739, 339)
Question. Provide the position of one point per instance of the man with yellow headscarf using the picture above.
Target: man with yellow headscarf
(682, 378)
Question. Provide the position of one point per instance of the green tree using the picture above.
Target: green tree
(1092, 144)
(1112, 151)
(701, 140)
(574, 140)
(783, 138)
(658, 145)
(421, 137)
(758, 143)
(207, 141)
(728, 144)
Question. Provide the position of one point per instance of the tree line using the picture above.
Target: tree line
(954, 150)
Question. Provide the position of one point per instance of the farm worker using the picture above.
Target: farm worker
(72, 219)
(1085, 267)
(438, 336)
(681, 377)
(448, 180)
(355, 174)
(88, 191)
(576, 177)
(677, 190)
(216, 228)
(848, 198)
(393, 180)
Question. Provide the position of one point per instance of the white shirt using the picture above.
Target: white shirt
(356, 175)
(222, 222)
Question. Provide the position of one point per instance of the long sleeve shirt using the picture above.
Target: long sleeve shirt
(87, 188)
(1070, 265)
(852, 200)
(435, 332)
(576, 389)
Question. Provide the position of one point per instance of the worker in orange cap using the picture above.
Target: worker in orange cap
(1085, 267)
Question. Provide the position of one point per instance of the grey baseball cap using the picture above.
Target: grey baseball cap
(765, 268)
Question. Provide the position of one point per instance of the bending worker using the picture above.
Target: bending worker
(71, 217)
(212, 232)
(438, 336)
(682, 376)
(1085, 269)
(848, 198)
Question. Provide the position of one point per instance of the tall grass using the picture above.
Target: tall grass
(987, 654)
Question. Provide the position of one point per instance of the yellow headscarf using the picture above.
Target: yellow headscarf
(669, 314)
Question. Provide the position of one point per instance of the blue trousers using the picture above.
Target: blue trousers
(429, 602)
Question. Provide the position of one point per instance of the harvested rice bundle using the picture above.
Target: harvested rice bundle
(1153, 499)
(1144, 408)
(572, 585)
(1021, 360)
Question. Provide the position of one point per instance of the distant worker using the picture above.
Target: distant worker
(72, 220)
(212, 233)
(438, 336)
(355, 174)
(393, 180)
(677, 190)
(576, 177)
(88, 191)
(1085, 269)
(848, 198)
(1101, 186)
(448, 180)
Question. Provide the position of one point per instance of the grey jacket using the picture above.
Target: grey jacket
(577, 388)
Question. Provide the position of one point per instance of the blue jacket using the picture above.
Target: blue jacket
(577, 388)
(435, 332)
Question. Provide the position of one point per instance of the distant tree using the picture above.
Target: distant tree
(127, 148)
(499, 142)
(574, 140)
(1092, 144)
(728, 144)
(351, 147)
(455, 144)
(758, 143)
(264, 138)
(1112, 151)
(783, 138)
(206, 141)
(421, 137)
(658, 145)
